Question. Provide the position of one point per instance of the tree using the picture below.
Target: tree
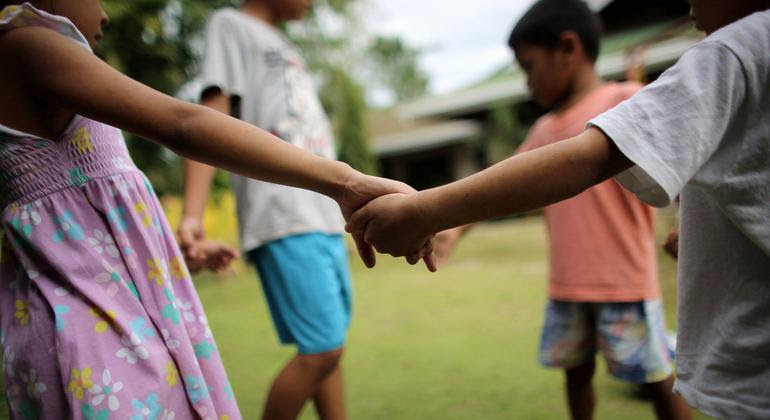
(395, 68)
(154, 41)
(345, 100)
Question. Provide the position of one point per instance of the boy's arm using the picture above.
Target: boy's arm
(523, 182)
(197, 186)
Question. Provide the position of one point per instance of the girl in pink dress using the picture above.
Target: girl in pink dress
(98, 314)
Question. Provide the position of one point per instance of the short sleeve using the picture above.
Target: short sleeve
(23, 15)
(671, 128)
(223, 63)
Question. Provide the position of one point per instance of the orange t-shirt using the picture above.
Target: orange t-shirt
(602, 241)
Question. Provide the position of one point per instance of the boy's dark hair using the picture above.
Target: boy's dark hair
(546, 20)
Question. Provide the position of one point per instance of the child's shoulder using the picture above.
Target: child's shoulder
(621, 91)
(27, 16)
(226, 17)
(747, 38)
(231, 19)
(225, 14)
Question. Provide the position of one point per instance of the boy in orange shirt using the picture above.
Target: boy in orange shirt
(603, 291)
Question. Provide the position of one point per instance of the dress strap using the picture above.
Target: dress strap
(19, 16)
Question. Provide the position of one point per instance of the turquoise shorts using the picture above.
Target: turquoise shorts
(306, 282)
(630, 335)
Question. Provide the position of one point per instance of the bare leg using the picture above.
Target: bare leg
(667, 404)
(330, 398)
(580, 391)
(299, 380)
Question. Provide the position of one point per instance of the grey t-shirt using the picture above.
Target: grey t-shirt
(703, 130)
(252, 61)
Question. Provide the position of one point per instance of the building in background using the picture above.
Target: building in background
(434, 140)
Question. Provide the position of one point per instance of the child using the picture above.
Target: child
(97, 312)
(604, 274)
(292, 236)
(701, 129)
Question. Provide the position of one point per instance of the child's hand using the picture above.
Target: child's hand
(444, 244)
(392, 225)
(190, 233)
(672, 244)
(361, 189)
(210, 255)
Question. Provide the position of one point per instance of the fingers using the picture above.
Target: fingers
(189, 231)
(365, 251)
(429, 257)
(430, 262)
(400, 187)
(194, 265)
(358, 221)
(226, 251)
(209, 255)
(426, 254)
(194, 254)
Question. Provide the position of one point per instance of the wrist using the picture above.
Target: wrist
(191, 216)
(425, 213)
(342, 180)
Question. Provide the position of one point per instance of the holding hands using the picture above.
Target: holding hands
(361, 197)
(365, 197)
(394, 224)
(201, 253)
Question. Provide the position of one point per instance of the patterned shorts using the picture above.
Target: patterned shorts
(631, 336)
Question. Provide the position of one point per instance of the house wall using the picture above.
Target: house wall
(432, 168)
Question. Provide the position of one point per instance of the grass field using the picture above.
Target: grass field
(457, 344)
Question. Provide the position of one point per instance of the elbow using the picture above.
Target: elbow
(185, 118)
(599, 157)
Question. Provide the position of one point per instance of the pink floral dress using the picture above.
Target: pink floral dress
(99, 318)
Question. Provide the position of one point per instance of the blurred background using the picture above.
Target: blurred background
(425, 92)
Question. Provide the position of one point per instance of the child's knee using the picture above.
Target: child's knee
(580, 375)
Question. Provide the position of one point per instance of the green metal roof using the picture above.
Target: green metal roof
(610, 44)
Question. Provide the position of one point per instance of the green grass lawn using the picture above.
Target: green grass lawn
(457, 344)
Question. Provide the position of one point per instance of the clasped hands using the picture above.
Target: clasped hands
(384, 215)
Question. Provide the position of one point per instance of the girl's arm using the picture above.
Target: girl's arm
(523, 182)
(59, 71)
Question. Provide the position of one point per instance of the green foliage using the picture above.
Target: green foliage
(157, 43)
(506, 133)
(395, 67)
(345, 99)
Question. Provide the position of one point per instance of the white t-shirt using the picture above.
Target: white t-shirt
(702, 130)
(252, 61)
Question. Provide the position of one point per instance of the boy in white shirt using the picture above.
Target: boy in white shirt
(293, 236)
